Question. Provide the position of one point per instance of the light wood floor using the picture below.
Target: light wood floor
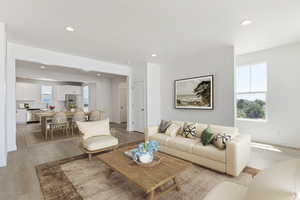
(18, 181)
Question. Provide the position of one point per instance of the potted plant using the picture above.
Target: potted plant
(145, 151)
(72, 107)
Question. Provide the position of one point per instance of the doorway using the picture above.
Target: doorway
(139, 107)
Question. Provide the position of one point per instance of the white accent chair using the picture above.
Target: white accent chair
(96, 137)
(281, 182)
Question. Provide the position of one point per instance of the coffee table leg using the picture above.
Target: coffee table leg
(177, 186)
(151, 195)
(109, 173)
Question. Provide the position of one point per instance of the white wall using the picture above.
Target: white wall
(47, 57)
(283, 96)
(3, 141)
(218, 62)
(153, 94)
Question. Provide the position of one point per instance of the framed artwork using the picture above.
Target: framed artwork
(195, 93)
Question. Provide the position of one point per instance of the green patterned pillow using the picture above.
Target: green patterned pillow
(207, 137)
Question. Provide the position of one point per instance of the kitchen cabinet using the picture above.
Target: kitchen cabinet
(21, 116)
(62, 90)
(28, 92)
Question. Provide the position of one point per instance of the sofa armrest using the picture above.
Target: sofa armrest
(150, 131)
(237, 154)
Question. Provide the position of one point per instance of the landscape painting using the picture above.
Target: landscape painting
(194, 93)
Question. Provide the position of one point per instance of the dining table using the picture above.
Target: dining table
(46, 118)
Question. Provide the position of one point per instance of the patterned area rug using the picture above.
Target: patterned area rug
(77, 178)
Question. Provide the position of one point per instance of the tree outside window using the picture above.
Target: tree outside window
(252, 91)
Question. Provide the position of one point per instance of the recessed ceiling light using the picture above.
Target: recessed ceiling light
(98, 74)
(70, 29)
(153, 55)
(246, 22)
(43, 67)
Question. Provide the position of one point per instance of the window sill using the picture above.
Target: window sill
(252, 120)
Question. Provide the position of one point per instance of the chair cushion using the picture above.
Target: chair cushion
(161, 138)
(99, 142)
(95, 128)
(182, 144)
(227, 191)
(209, 152)
(280, 182)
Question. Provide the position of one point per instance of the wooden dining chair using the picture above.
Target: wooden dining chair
(59, 123)
(95, 115)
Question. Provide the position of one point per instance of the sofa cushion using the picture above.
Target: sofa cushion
(228, 130)
(200, 128)
(209, 152)
(189, 131)
(161, 138)
(181, 124)
(182, 144)
(99, 142)
(95, 128)
(172, 130)
(164, 125)
(280, 182)
(227, 191)
(207, 137)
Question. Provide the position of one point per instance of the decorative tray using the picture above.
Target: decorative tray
(155, 162)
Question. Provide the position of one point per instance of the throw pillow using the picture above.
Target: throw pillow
(189, 131)
(172, 130)
(164, 125)
(220, 141)
(207, 137)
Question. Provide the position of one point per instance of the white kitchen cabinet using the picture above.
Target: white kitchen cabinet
(60, 93)
(21, 116)
(70, 89)
(28, 92)
(62, 90)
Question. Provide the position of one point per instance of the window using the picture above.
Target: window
(252, 91)
(46, 92)
(86, 98)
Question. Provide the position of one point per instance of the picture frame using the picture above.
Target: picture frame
(194, 93)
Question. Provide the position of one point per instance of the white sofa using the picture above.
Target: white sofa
(231, 161)
(281, 182)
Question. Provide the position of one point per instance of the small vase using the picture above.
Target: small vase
(146, 157)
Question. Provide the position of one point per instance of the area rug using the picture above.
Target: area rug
(77, 178)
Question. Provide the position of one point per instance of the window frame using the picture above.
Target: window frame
(52, 89)
(250, 92)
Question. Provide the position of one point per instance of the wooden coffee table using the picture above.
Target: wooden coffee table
(150, 179)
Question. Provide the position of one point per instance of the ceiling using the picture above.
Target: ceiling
(122, 31)
(32, 70)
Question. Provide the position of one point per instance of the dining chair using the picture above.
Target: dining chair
(78, 117)
(95, 115)
(59, 123)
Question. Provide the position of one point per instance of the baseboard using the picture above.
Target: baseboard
(277, 144)
(3, 161)
(12, 148)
